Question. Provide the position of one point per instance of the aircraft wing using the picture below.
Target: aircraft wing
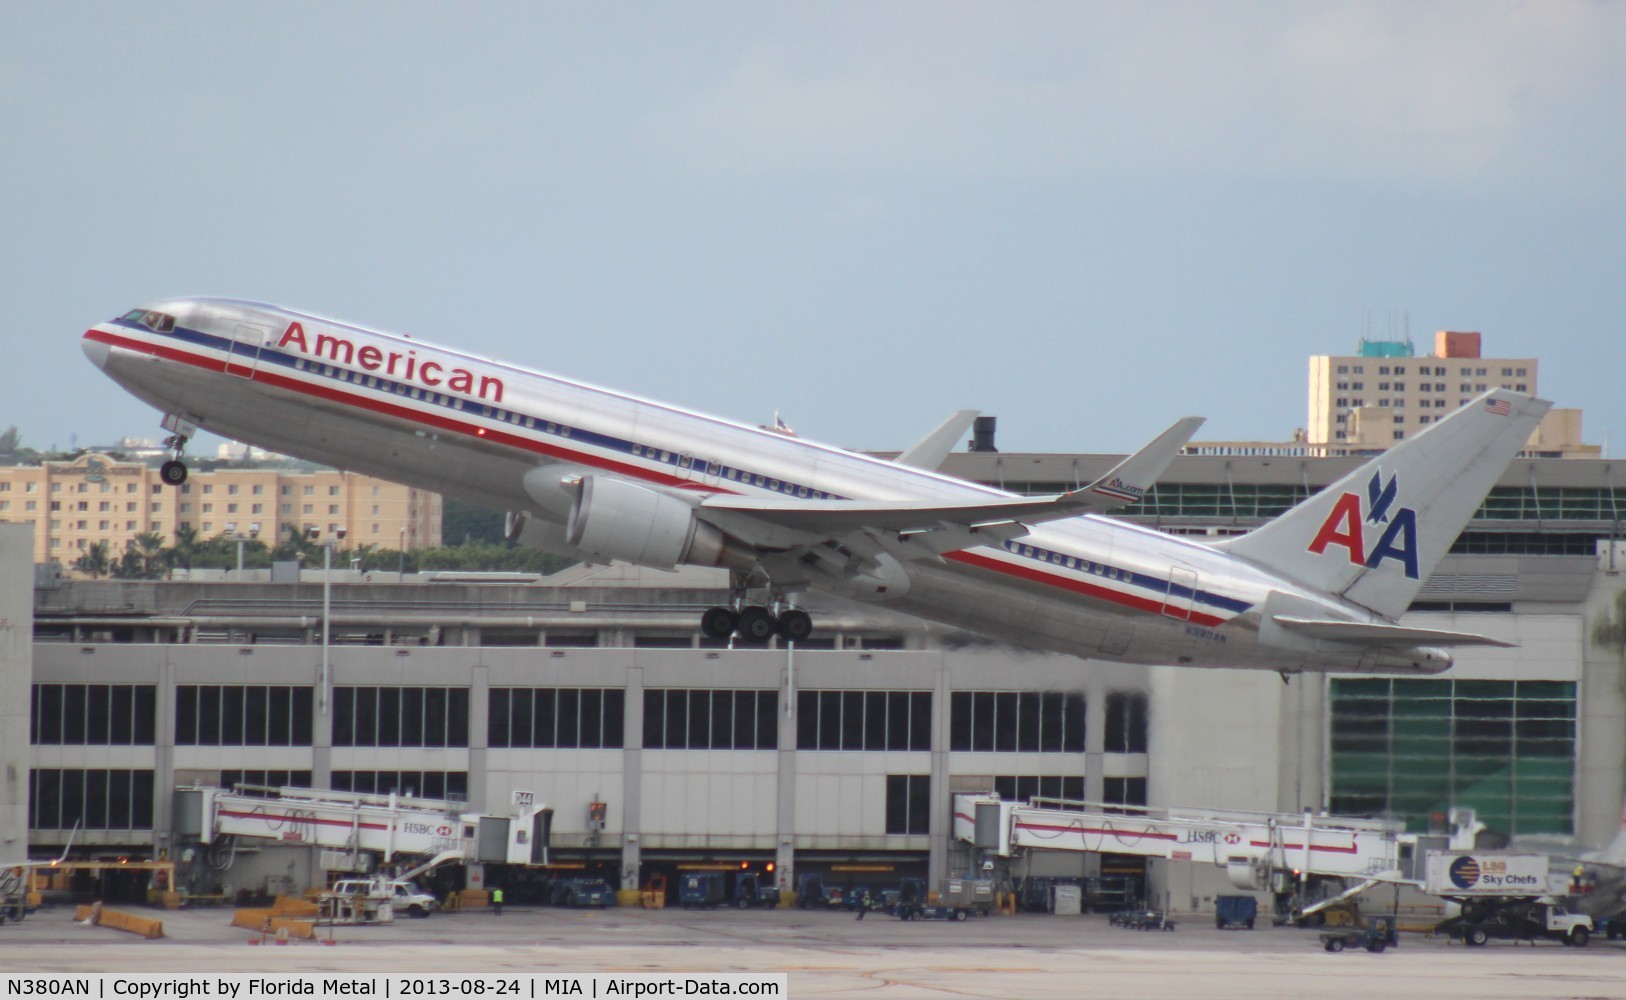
(1371, 634)
(941, 526)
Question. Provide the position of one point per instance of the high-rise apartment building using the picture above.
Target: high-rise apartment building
(99, 498)
(1365, 402)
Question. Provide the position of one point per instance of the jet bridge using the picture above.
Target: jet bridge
(1250, 847)
(386, 825)
(1259, 851)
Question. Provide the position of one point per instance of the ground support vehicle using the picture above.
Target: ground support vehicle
(956, 900)
(584, 892)
(812, 893)
(932, 911)
(1235, 911)
(1378, 934)
(975, 895)
(1142, 919)
(13, 906)
(1517, 919)
(755, 890)
(357, 901)
(701, 890)
(1037, 894)
(14, 895)
(410, 898)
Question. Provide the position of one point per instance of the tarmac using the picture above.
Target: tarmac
(830, 954)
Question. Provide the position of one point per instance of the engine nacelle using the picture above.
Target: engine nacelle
(523, 529)
(614, 519)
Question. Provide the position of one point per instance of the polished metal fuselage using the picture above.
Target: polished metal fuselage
(392, 407)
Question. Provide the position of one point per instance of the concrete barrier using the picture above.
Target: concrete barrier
(271, 922)
(129, 922)
(288, 906)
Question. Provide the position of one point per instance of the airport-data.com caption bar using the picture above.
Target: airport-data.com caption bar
(325, 986)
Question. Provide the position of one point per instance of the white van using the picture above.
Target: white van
(405, 896)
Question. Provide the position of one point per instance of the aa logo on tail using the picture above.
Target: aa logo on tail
(1344, 527)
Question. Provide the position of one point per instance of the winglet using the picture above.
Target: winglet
(1129, 480)
(930, 451)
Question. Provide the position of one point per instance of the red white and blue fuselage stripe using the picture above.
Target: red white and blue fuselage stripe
(514, 419)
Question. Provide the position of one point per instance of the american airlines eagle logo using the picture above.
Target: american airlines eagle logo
(1346, 528)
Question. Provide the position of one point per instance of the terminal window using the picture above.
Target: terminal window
(266, 779)
(400, 717)
(1016, 721)
(1126, 722)
(419, 784)
(557, 718)
(1123, 791)
(94, 714)
(703, 719)
(1412, 748)
(908, 803)
(864, 720)
(243, 715)
(95, 799)
(1023, 787)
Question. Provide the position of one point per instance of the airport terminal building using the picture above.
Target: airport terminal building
(659, 749)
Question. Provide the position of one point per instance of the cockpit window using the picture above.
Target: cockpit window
(155, 321)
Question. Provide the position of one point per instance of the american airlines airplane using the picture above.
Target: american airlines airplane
(602, 475)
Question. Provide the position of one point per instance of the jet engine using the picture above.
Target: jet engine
(615, 519)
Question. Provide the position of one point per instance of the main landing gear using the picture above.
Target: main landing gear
(754, 625)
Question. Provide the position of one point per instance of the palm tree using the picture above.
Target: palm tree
(186, 545)
(297, 546)
(95, 560)
(148, 549)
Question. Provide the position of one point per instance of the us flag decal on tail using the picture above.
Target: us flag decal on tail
(1500, 407)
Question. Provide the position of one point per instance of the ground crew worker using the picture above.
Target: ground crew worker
(863, 905)
(496, 901)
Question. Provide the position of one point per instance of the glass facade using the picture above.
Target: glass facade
(1252, 500)
(1412, 748)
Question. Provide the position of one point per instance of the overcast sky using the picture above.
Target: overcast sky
(1087, 219)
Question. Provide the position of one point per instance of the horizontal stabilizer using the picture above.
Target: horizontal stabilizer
(1369, 634)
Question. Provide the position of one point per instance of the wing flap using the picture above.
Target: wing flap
(1124, 484)
(1371, 634)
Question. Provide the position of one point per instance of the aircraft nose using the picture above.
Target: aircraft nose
(96, 350)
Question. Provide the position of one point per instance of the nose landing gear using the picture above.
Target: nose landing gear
(173, 471)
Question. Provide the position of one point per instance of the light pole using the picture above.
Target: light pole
(327, 611)
(400, 551)
(231, 532)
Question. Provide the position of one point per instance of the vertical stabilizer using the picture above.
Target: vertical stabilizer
(1374, 536)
